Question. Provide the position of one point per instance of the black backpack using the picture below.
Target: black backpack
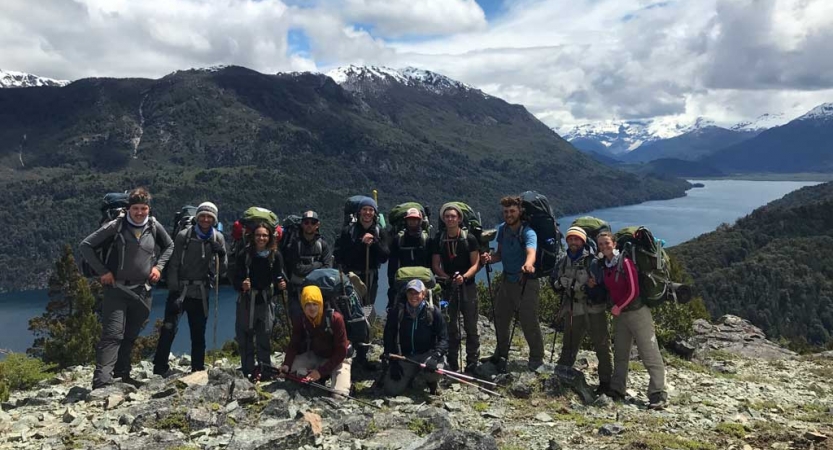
(538, 215)
(291, 230)
(184, 218)
(113, 206)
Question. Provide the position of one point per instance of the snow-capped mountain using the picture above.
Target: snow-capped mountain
(11, 79)
(621, 136)
(360, 78)
(761, 123)
(823, 112)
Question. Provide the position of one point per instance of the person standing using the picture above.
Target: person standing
(191, 275)
(456, 258)
(310, 251)
(261, 276)
(131, 267)
(632, 322)
(410, 248)
(578, 278)
(362, 248)
(517, 297)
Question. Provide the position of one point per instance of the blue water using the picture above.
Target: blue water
(675, 221)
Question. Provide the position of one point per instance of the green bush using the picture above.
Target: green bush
(20, 372)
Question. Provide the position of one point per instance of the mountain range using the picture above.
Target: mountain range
(771, 143)
(288, 142)
(10, 79)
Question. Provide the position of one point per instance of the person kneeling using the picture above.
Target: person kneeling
(319, 347)
(417, 331)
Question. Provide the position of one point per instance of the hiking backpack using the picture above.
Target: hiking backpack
(185, 217)
(113, 206)
(424, 274)
(471, 223)
(341, 295)
(399, 227)
(538, 215)
(592, 226)
(652, 265)
(290, 232)
(242, 228)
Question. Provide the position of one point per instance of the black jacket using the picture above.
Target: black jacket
(427, 334)
(350, 252)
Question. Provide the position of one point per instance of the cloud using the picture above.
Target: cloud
(398, 18)
(567, 62)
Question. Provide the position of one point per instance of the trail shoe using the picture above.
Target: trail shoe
(534, 364)
(501, 365)
(657, 400)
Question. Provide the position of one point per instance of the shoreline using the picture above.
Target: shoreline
(807, 176)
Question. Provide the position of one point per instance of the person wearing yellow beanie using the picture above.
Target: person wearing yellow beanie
(319, 347)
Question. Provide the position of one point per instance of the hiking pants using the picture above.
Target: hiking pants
(339, 378)
(507, 301)
(368, 300)
(124, 313)
(410, 372)
(254, 337)
(636, 326)
(196, 323)
(574, 332)
(469, 313)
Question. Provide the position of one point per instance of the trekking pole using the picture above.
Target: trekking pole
(555, 323)
(515, 316)
(308, 382)
(491, 294)
(453, 375)
(216, 306)
(459, 318)
(285, 298)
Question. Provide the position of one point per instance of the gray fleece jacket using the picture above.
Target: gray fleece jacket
(193, 260)
(133, 254)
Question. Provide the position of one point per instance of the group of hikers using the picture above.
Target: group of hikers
(424, 329)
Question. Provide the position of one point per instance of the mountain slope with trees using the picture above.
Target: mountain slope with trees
(287, 142)
(772, 267)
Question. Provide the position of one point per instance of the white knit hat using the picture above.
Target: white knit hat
(208, 208)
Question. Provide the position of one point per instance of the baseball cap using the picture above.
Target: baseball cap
(413, 212)
(415, 285)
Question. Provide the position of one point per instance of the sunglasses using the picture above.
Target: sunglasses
(309, 222)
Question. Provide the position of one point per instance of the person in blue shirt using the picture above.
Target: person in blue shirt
(517, 296)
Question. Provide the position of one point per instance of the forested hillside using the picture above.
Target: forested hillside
(772, 267)
(288, 142)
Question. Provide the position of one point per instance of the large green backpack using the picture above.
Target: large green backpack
(471, 224)
(592, 226)
(424, 274)
(652, 265)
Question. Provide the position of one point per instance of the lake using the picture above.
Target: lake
(676, 220)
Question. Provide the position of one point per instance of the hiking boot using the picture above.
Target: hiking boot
(604, 388)
(162, 371)
(470, 368)
(433, 387)
(101, 385)
(615, 396)
(127, 379)
(534, 364)
(501, 365)
(657, 400)
(452, 366)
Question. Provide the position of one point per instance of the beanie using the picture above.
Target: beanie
(367, 201)
(577, 232)
(451, 206)
(208, 208)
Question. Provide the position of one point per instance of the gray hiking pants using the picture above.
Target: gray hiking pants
(124, 313)
(253, 333)
(507, 301)
(410, 372)
(575, 330)
(636, 326)
(468, 310)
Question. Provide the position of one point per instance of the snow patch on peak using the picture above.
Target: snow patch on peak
(821, 112)
(761, 123)
(351, 76)
(12, 79)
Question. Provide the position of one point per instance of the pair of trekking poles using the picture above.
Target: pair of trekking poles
(456, 376)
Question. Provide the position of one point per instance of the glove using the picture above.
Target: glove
(432, 362)
(218, 248)
(395, 371)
